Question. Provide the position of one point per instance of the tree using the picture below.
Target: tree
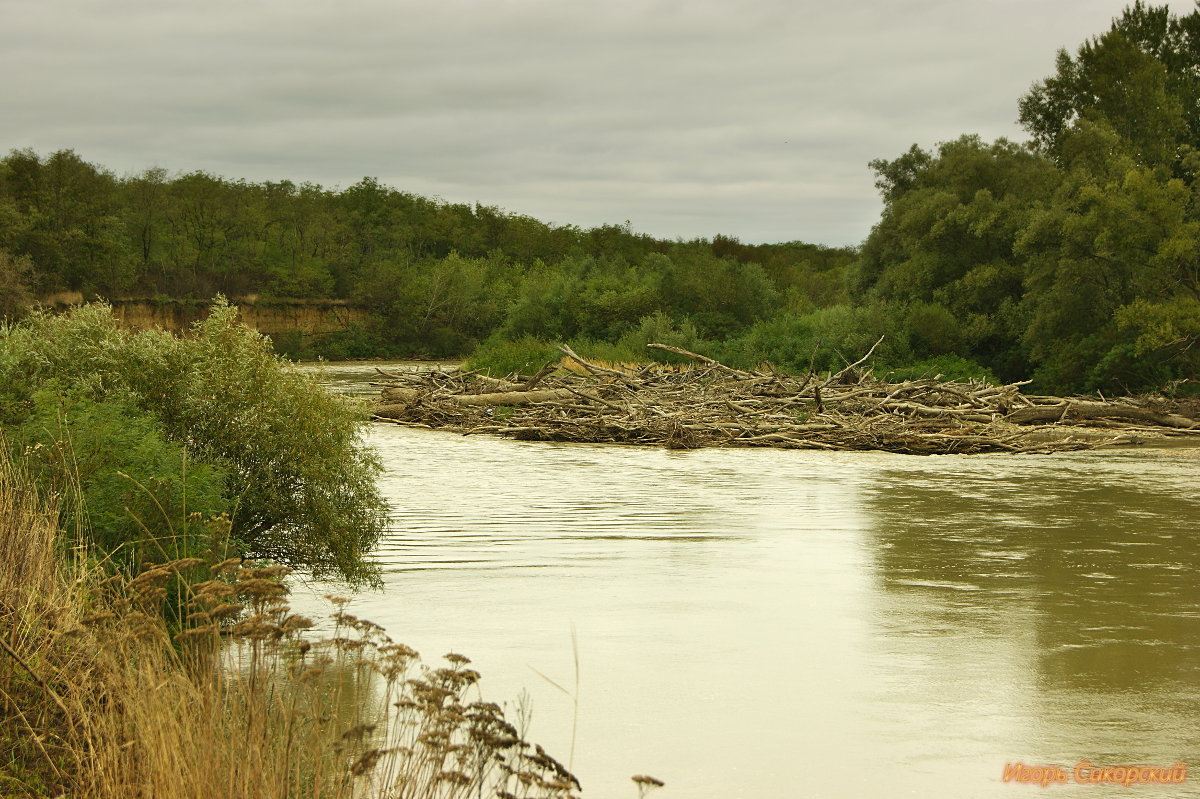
(73, 232)
(1142, 78)
(145, 211)
(218, 233)
(947, 237)
(1115, 247)
(16, 277)
(300, 486)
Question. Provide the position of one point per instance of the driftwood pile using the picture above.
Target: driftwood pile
(709, 404)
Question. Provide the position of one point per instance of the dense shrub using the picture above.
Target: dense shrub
(948, 367)
(301, 489)
(119, 477)
(826, 339)
(659, 328)
(501, 357)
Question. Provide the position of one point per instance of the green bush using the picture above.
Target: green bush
(828, 339)
(932, 330)
(659, 328)
(500, 358)
(119, 478)
(300, 486)
(950, 367)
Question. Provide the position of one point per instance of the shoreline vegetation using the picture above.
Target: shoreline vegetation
(135, 429)
(105, 696)
(1069, 260)
(152, 489)
(710, 404)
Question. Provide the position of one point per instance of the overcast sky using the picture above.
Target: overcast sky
(754, 119)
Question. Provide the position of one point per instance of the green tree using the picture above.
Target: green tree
(300, 485)
(1167, 332)
(218, 235)
(1142, 78)
(72, 232)
(16, 280)
(582, 296)
(145, 204)
(721, 296)
(947, 237)
(303, 241)
(1110, 241)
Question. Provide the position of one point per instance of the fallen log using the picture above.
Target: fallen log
(397, 394)
(700, 358)
(491, 385)
(1077, 410)
(936, 413)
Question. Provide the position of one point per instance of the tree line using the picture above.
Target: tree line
(1073, 258)
(439, 277)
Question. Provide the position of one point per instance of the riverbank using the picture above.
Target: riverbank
(151, 490)
(106, 698)
(713, 405)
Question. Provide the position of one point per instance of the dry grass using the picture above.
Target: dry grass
(626, 367)
(101, 699)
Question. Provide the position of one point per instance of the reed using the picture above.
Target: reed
(102, 698)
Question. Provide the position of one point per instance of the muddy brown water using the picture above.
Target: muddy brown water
(768, 623)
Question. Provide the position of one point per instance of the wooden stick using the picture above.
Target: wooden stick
(839, 375)
(696, 357)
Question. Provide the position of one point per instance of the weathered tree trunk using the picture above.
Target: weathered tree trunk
(398, 394)
(1082, 409)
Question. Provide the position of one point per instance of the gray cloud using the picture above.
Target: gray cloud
(754, 119)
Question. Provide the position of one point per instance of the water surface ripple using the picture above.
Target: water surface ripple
(761, 623)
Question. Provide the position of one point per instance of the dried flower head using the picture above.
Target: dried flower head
(366, 762)
(226, 566)
(646, 780)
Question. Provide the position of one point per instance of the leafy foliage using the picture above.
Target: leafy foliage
(299, 486)
(438, 278)
(1072, 258)
(127, 491)
(502, 357)
(1077, 259)
(1140, 77)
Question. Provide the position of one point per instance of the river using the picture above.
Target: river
(770, 623)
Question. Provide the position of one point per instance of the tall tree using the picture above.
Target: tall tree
(1116, 234)
(72, 230)
(1141, 77)
(947, 238)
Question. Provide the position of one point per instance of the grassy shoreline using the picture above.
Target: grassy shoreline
(103, 697)
(137, 657)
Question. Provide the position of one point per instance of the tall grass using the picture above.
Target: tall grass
(101, 699)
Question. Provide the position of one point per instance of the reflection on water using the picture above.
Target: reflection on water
(1058, 598)
(355, 377)
(777, 624)
(1101, 562)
